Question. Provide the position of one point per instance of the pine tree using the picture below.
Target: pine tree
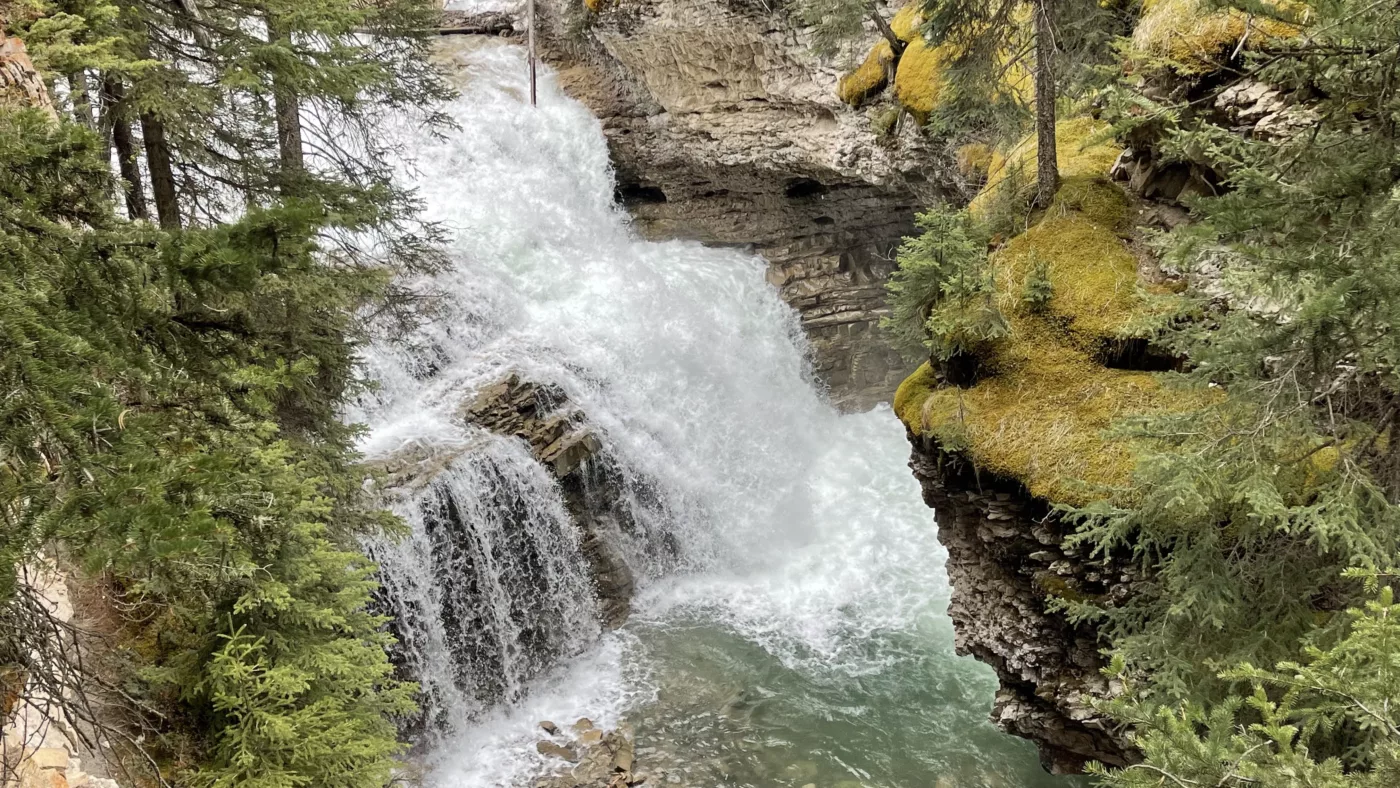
(1053, 39)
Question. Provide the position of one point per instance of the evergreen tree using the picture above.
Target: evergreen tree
(1245, 513)
(1058, 41)
(148, 373)
(172, 420)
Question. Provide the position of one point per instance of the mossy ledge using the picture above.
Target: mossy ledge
(996, 456)
(1039, 413)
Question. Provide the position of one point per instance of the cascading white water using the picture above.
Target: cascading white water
(520, 600)
(802, 635)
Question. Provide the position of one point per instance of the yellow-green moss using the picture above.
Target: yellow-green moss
(1093, 275)
(594, 5)
(870, 78)
(1078, 150)
(1195, 39)
(918, 75)
(975, 159)
(918, 82)
(1040, 414)
(910, 396)
(907, 21)
(1040, 419)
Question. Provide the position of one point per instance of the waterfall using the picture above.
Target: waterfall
(489, 586)
(791, 588)
(682, 357)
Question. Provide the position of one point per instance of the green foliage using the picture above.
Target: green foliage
(222, 81)
(942, 298)
(1243, 515)
(1038, 290)
(1282, 733)
(171, 420)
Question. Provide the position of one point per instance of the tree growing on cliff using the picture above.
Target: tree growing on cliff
(942, 297)
(1052, 39)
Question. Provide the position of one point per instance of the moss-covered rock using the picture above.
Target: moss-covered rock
(1194, 39)
(870, 78)
(919, 81)
(1039, 413)
(873, 75)
(1081, 149)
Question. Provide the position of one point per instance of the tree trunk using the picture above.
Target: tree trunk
(887, 32)
(162, 173)
(114, 96)
(1047, 171)
(20, 84)
(82, 98)
(287, 107)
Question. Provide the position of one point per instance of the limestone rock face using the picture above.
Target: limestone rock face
(1005, 559)
(725, 129)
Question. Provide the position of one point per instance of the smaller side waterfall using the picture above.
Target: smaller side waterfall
(490, 585)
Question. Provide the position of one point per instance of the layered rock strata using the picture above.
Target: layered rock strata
(559, 437)
(725, 129)
(1006, 561)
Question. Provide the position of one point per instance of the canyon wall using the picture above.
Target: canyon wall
(1006, 561)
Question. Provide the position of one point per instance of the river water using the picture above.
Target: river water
(792, 632)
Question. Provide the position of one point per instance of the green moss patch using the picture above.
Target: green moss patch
(1197, 40)
(919, 82)
(1041, 413)
(1080, 151)
(869, 78)
(1093, 275)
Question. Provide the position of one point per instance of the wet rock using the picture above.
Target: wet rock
(550, 749)
(1049, 669)
(623, 756)
(603, 759)
(549, 727)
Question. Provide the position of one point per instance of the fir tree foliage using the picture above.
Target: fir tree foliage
(942, 297)
(175, 376)
(1244, 515)
(150, 373)
(1278, 731)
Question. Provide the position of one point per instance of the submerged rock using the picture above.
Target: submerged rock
(604, 759)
